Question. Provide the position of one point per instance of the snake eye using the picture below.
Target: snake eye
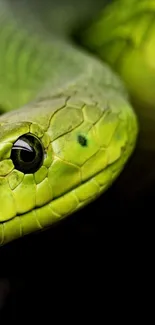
(27, 154)
(82, 140)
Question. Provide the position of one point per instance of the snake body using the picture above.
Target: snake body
(67, 126)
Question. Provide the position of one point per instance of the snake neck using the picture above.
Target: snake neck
(35, 64)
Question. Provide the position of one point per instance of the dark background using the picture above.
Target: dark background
(93, 249)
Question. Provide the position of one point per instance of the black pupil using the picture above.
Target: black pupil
(27, 154)
(82, 140)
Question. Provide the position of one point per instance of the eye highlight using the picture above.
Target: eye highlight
(82, 140)
(27, 154)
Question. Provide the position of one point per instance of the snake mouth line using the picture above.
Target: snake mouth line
(66, 193)
(55, 217)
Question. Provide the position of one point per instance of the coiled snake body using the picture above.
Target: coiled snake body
(67, 126)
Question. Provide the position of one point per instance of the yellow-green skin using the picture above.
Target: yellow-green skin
(124, 36)
(69, 93)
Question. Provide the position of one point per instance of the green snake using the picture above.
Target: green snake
(68, 121)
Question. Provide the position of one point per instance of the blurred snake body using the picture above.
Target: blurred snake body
(67, 127)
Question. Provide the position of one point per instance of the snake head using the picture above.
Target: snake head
(62, 154)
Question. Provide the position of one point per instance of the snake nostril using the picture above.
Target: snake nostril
(82, 140)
